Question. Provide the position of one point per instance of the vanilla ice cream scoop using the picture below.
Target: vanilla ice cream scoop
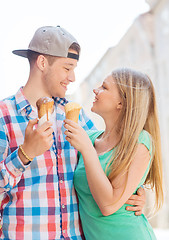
(72, 111)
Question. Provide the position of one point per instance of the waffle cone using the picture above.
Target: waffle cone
(72, 111)
(45, 106)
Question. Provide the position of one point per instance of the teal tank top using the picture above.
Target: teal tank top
(121, 225)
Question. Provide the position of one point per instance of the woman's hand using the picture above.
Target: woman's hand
(77, 136)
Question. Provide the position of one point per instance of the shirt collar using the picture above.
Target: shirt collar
(61, 101)
(22, 102)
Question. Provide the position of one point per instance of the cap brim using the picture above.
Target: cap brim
(22, 53)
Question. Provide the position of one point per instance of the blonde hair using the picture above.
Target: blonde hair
(139, 112)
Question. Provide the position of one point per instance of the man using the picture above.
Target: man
(37, 163)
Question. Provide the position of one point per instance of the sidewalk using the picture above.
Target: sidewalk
(162, 234)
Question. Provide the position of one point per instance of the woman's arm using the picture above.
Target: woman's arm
(131, 180)
(108, 195)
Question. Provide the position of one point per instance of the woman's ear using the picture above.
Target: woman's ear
(41, 62)
(119, 105)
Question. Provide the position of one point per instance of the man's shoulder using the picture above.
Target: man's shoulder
(6, 103)
(7, 99)
(85, 121)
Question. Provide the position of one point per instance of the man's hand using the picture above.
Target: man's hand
(138, 202)
(36, 141)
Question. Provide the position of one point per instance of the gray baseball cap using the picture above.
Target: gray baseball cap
(53, 41)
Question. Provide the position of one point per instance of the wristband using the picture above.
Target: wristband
(25, 155)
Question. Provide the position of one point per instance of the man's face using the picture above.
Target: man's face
(57, 76)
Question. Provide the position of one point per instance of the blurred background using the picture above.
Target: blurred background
(112, 34)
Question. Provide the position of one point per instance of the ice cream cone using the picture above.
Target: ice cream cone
(45, 109)
(72, 111)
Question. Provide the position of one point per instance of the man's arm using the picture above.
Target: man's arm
(12, 166)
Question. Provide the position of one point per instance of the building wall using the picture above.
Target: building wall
(161, 39)
(145, 46)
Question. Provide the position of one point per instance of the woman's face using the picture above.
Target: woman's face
(107, 100)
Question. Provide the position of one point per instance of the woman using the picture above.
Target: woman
(114, 163)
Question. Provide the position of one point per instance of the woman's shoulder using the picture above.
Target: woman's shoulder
(146, 139)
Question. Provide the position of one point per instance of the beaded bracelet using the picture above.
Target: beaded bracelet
(25, 155)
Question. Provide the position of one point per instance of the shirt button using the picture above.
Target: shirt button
(28, 108)
(21, 169)
(63, 206)
(64, 231)
(61, 181)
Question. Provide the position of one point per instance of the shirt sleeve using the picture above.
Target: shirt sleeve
(145, 138)
(85, 121)
(11, 167)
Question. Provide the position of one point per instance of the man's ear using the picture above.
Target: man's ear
(41, 62)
